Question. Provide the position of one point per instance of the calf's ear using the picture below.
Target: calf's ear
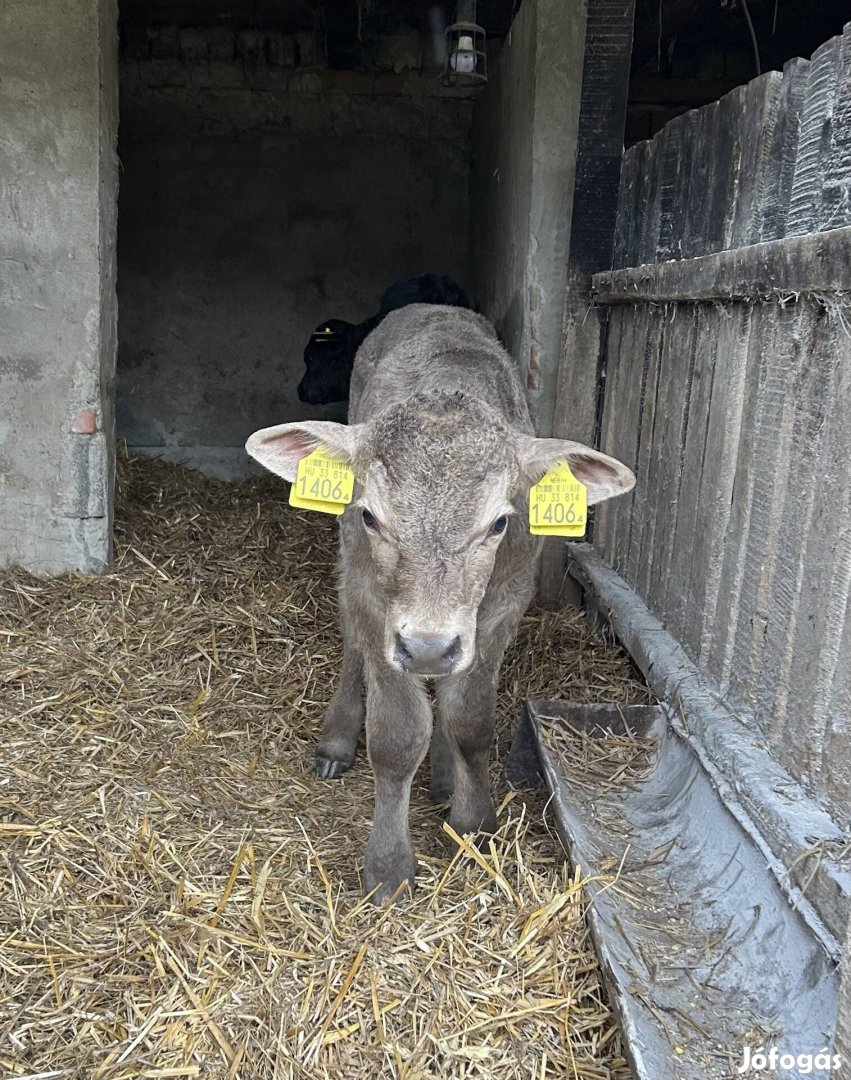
(279, 449)
(603, 476)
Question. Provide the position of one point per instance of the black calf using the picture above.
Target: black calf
(424, 289)
(328, 360)
(330, 354)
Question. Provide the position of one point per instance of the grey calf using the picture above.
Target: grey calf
(437, 564)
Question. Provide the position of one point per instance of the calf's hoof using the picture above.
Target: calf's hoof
(440, 792)
(483, 821)
(328, 769)
(389, 877)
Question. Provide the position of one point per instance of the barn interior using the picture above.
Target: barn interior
(184, 896)
(284, 161)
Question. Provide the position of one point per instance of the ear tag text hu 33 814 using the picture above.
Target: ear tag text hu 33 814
(558, 504)
(323, 483)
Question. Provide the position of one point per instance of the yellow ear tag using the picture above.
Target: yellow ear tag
(322, 483)
(558, 504)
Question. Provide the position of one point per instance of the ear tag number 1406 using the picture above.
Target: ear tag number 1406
(322, 483)
(558, 504)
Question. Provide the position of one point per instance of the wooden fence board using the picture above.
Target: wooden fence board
(723, 178)
(623, 220)
(647, 234)
(718, 645)
(643, 521)
(618, 430)
(669, 165)
(836, 766)
(760, 100)
(805, 207)
(780, 169)
(797, 502)
(772, 444)
(626, 405)
(636, 387)
(643, 528)
(836, 206)
(680, 345)
(826, 567)
(689, 146)
(835, 771)
(702, 165)
(684, 615)
(719, 470)
(630, 206)
(644, 319)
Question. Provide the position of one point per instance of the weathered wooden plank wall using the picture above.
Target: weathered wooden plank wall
(728, 388)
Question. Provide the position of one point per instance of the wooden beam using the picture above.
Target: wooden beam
(815, 264)
(608, 45)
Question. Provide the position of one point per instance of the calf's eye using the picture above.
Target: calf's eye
(369, 520)
(499, 525)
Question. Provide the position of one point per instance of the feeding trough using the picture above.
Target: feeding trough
(705, 959)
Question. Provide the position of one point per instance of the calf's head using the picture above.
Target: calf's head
(328, 360)
(442, 481)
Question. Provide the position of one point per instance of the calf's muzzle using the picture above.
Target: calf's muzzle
(427, 654)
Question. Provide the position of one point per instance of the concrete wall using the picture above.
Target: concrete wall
(260, 196)
(58, 182)
(525, 130)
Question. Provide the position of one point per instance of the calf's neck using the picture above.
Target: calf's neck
(437, 564)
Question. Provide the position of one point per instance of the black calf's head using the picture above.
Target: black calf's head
(328, 360)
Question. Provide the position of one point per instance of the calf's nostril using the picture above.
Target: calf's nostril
(453, 650)
(402, 653)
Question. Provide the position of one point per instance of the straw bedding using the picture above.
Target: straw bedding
(180, 896)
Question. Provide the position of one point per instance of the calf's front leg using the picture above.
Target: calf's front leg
(442, 762)
(343, 718)
(398, 728)
(466, 713)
